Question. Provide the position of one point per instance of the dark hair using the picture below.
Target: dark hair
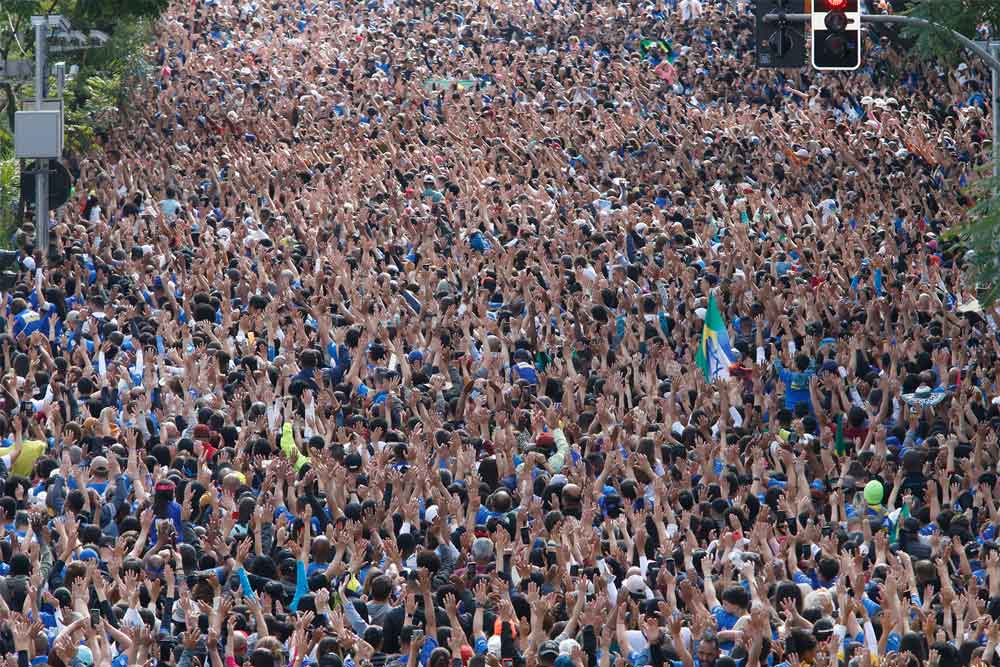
(828, 568)
(915, 643)
(373, 635)
(381, 587)
(800, 641)
(948, 652)
(19, 565)
(802, 362)
(429, 560)
(736, 595)
(785, 590)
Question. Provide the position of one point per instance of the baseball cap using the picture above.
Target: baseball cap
(99, 464)
(353, 461)
(823, 629)
(548, 649)
(635, 585)
(88, 554)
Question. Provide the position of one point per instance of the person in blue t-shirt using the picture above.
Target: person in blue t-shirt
(734, 605)
(796, 382)
(26, 320)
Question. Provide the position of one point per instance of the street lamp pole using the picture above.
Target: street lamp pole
(41, 24)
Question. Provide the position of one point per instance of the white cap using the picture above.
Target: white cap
(431, 513)
(635, 585)
(567, 646)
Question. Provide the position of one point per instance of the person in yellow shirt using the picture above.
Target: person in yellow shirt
(19, 458)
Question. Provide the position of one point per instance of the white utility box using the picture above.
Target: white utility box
(38, 134)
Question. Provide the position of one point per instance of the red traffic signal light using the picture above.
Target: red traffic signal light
(836, 35)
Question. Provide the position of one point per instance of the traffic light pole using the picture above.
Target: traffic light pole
(995, 47)
(991, 60)
(991, 56)
(996, 115)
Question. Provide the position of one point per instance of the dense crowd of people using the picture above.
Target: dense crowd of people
(371, 341)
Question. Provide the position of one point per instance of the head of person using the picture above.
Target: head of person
(735, 600)
(708, 650)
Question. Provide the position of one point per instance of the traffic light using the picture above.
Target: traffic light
(779, 43)
(836, 39)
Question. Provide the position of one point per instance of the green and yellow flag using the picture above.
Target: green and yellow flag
(714, 352)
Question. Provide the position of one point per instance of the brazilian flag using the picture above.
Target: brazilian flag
(663, 46)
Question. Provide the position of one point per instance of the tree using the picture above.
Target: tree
(980, 232)
(110, 16)
(964, 16)
(106, 74)
(107, 14)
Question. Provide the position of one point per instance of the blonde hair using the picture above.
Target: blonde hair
(818, 599)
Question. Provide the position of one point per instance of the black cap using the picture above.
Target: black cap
(823, 629)
(548, 648)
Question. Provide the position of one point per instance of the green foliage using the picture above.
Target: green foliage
(981, 235)
(10, 194)
(963, 16)
(107, 79)
(108, 14)
(107, 75)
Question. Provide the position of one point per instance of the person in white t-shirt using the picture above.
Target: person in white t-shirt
(690, 10)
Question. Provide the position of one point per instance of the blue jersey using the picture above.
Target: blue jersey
(796, 385)
(28, 322)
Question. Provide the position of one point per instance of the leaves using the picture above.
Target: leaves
(963, 16)
(980, 233)
(108, 76)
(10, 187)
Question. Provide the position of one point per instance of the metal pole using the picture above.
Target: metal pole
(41, 25)
(996, 116)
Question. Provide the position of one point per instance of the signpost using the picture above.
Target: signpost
(41, 24)
(39, 130)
